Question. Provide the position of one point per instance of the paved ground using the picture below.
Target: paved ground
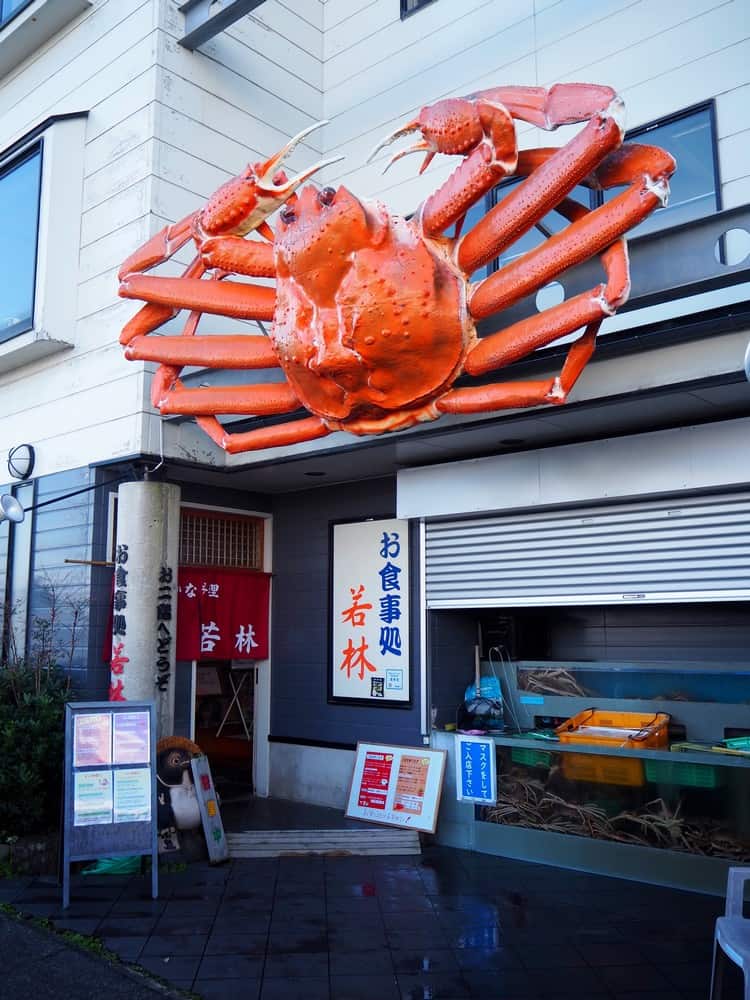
(39, 964)
(450, 924)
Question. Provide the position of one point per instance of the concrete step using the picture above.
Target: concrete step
(286, 843)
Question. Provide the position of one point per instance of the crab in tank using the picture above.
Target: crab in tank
(373, 315)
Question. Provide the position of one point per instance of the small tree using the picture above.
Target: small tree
(33, 693)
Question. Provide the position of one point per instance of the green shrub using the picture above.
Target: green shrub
(32, 742)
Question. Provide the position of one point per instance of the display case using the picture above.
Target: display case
(693, 802)
(696, 801)
(675, 812)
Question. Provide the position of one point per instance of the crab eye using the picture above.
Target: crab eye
(288, 215)
(326, 196)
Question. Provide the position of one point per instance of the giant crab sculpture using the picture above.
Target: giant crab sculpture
(373, 316)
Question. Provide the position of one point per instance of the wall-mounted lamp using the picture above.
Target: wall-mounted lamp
(11, 509)
(21, 461)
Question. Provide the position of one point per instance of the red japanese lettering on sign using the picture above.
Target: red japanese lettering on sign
(356, 613)
(118, 658)
(354, 657)
(116, 691)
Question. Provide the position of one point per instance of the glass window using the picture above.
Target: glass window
(412, 6)
(19, 210)
(10, 7)
(694, 185)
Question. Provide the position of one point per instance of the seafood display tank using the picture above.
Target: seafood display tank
(677, 813)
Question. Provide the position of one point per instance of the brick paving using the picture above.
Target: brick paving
(447, 925)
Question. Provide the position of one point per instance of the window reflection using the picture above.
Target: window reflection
(693, 187)
(10, 7)
(19, 210)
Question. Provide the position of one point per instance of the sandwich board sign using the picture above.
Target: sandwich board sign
(208, 804)
(110, 784)
(396, 786)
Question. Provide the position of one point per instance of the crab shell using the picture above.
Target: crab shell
(371, 323)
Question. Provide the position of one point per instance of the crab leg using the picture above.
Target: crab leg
(585, 237)
(238, 255)
(160, 247)
(255, 400)
(480, 127)
(510, 395)
(151, 316)
(520, 339)
(227, 298)
(264, 437)
(548, 184)
(217, 351)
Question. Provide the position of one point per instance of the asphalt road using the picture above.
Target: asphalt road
(39, 964)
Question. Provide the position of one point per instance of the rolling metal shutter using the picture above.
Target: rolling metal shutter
(689, 549)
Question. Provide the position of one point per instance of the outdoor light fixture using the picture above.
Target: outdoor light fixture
(21, 461)
(10, 509)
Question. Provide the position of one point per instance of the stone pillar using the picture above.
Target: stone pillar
(144, 619)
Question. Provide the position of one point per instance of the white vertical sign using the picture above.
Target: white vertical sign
(370, 611)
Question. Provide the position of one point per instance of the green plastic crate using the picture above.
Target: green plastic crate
(668, 772)
(531, 758)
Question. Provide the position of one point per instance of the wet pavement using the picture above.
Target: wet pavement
(447, 925)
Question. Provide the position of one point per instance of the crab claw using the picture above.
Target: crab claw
(268, 176)
(457, 126)
(423, 145)
(399, 133)
(244, 203)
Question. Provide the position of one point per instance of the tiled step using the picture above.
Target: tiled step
(283, 843)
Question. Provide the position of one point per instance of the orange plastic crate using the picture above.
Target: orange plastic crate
(616, 729)
(603, 770)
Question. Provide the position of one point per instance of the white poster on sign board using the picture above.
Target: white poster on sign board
(397, 786)
(370, 612)
(92, 798)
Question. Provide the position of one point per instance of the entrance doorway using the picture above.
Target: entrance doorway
(225, 703)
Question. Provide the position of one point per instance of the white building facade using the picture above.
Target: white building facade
(111, 128)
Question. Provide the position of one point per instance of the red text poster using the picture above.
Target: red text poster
(411, 784)
(376, 776)
(92, 740)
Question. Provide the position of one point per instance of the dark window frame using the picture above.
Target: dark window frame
(640, 133)
(407, 11)
(6, 166)
(7, 18)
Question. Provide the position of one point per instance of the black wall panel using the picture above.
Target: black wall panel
(301, 560)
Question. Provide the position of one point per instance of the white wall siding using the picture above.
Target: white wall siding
(166, 126)
(84, 404)
(379, 71)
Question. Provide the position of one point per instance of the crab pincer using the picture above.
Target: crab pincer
(239, 207)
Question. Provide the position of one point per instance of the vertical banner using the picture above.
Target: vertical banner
(222, 614)
(144, 615)
(476, 773)
(370, 613)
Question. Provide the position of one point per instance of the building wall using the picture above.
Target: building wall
(379, 71)
(299, 707)
(166, 126)
(83, 404)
